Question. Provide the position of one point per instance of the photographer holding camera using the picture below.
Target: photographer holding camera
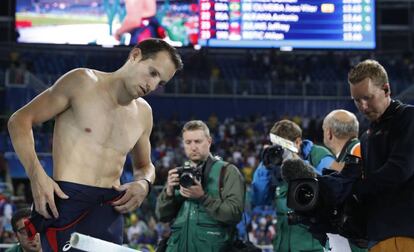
(204, 197)
(267, 181)
(387, 189)
(340, 135)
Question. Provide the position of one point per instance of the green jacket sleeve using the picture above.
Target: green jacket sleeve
(167, 207)
(229, 207)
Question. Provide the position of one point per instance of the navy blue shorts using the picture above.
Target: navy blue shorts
(87, 211)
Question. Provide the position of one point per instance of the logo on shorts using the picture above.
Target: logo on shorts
(67, 246)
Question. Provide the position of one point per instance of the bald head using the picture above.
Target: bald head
(342, 123)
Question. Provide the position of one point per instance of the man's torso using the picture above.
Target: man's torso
(93, 136)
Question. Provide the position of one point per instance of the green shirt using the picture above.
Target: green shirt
(15, 248)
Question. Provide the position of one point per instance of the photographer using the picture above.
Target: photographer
(340, 132)
(387, 189)
(206, 213)
(25, 244)
(267, 177)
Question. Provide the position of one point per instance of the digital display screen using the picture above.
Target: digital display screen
(342, 24)
(107, 22)
(288, 23)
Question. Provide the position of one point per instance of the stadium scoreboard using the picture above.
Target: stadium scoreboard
(336, 24)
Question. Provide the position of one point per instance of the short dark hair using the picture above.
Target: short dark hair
(18, 215)
(368, 69)
(287, 129)
(196, 125)
(150, 47)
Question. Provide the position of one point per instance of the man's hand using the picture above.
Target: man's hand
(44, 190)
(135, 193)
(193, 192)
(172, 181)
(35, 244)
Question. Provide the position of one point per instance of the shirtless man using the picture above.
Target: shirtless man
(99, 119)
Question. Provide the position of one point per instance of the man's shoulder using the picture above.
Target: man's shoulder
(231, 168)
(320, 150)
(79, 78)
(354, 148)
(407, 111)
(320, 153)
(144, 108)
(82, 74)
(142, 103)
(15, 248)
(402, 117)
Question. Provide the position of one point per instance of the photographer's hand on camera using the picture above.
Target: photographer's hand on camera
(172, 181)
(193, 192)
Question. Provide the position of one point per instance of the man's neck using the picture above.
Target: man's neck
(116, 90)
(338, 146)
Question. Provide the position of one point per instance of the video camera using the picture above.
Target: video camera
(325, 203)
(279, 151)
(188, 174)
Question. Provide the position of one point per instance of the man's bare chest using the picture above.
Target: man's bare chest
(114, 128)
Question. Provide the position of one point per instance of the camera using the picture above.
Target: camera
(303, 194)
(326, 203)
(188, 174)
(273, 155)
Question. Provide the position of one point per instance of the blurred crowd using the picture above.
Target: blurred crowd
(237, 140)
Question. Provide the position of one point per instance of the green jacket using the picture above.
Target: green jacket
(205, 224)
(15, 248)
(293, 238)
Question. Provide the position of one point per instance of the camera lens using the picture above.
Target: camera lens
(304, 194)
(186, 179)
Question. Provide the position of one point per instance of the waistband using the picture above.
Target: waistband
(88, 193)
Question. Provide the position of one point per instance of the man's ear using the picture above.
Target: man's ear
(386, 88)
(135, 54)
(298, 142)
(330, 134)
(210, 140)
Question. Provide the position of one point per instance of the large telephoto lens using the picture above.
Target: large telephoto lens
(304, 194)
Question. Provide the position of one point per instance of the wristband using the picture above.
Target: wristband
(149, 184)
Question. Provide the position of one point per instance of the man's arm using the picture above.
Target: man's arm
(325, 162)
(262, 188)
(144, 170)
(141, 153)
(169, 201)
(229, 208)
(45, 106)
(134, 10)
(167, 207)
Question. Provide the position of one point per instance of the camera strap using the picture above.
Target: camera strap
(222, 171)
(344, 150)
(206, 170)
